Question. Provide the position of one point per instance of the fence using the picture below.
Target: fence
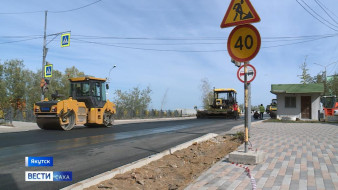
(7, 116)
(144, 114)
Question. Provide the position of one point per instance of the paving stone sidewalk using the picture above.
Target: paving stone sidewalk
(299, 156)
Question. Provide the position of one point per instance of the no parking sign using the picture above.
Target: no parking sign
(251, 73)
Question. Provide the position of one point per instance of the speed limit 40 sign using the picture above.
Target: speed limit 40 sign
(244, 43)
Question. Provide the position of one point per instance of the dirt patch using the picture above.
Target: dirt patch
(174, 171)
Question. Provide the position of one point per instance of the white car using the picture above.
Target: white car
(336, 112)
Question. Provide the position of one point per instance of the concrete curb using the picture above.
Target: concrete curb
(137, 164)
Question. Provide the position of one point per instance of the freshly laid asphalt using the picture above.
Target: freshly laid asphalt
(91, 151)
(299, 156)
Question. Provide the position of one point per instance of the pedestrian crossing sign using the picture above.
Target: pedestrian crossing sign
(240, 12)
(48, 70)
(65, 40)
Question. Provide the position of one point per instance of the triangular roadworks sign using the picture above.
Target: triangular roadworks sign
(240, 12)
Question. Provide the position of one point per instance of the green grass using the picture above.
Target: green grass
(239, 135)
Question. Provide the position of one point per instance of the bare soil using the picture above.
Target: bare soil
(175, 171)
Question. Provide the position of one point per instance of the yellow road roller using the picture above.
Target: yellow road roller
(87, 105)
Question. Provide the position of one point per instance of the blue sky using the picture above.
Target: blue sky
(183, 25)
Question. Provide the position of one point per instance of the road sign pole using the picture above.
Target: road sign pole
(249, 109)
(243, 45)
(246, 106)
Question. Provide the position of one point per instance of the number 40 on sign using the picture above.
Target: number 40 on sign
(244, 43)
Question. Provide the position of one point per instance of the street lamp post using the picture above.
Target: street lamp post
(109, 72)
(108, 79)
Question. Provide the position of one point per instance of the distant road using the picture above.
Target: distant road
(90, 151)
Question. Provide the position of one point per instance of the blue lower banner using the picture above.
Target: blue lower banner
(38, 161)
(48, 176)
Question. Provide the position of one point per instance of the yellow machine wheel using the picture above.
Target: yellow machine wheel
(48, 123)
(108, 119)
(71, 121)
(54, 123)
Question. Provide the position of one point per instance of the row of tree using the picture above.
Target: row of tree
(20, 88)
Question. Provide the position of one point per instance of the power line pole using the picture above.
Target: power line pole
(44, 54)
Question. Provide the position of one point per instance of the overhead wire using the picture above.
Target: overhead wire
(144, 38)
(334, 68)
(148, 49)
(28, 36)
(76, 8)
(315, 16)
(60, 11)
(187, 39)
(319, 14)
(179, 50)
(173, 41)
(300, 42)
(18, 13)
(322, 6)
(166, 38)
(15, 41)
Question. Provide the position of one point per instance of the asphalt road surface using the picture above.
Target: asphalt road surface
(90, 151)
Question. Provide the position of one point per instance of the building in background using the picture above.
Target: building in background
(298, 101)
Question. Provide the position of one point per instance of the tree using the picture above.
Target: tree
(133, 100)
(33, 90)
(2, 88)
(207, 93)
(15, 82)
(319, 78)
(332, 85)
(69, 73)
(305, 76)
(58, 82)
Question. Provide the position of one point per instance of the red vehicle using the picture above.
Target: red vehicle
(330, 105)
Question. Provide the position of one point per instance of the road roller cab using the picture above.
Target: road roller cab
(90, 90)
(87, 105)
